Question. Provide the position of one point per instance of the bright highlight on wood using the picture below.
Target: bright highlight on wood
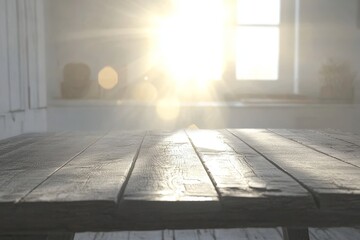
(108, 78)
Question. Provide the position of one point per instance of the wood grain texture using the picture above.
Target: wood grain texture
(86, 188)
(146, 235)
(171, 180)
(14, 143)
(102, 236)
(335, 184)
(24, 169)
(339, 149)
(226, 234)
(168, 182)
(244, 178)
(97, 174)
(345, 136)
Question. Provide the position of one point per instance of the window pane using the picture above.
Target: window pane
(257, 53)
(264, 12)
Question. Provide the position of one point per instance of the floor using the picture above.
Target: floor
(222, 234)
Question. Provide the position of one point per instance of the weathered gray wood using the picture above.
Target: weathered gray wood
(226, 234)
(87, 182)
(344, 151)
(15, 143)
(244, 178)
(296, 234)
(23, 170)
(102, 236)
(335, 184)
(248, 234)
(168, 234)
(345, 136)
(97, 174)
(168, 183)
(186, 235)
(145, 235)
(206, 234)
(86, 188)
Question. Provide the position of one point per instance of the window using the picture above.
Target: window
(261, 47)
(257, 39)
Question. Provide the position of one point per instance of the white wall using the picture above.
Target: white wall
(90, 116)
(22, 67)
(328, 29)
(97, 33)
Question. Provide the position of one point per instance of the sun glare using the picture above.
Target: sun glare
(189, 42)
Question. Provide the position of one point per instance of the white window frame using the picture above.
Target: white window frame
(288, 51)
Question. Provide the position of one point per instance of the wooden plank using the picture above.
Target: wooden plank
(145, 235)
(296, 234)
(186, 235)
(344, 151)
(244, 178)
(248, 234)
(335, 184)
(86, 189)
(345, 136)
(168, 184)
(102, 236)
(97, 174)
(13, 55)
(22, 170)
(4, 73)
(15, 143)
(206, 234)
(168, 234)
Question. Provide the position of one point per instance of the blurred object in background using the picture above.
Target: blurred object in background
(337, 81)
(76, 81)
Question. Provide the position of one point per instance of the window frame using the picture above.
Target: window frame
(286, 69)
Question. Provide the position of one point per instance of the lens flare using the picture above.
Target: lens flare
(108, 78)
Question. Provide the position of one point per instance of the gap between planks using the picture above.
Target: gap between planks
(313, 148)
(313, 194)
(204, 166)
(60, 167)
(123, 187)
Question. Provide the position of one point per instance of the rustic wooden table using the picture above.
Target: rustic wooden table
(71, 182)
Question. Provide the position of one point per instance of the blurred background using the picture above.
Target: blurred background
(167, 64)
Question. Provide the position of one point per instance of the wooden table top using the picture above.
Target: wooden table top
(185, 179)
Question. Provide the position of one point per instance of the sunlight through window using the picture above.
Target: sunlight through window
(190, 41)
(257, 39)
